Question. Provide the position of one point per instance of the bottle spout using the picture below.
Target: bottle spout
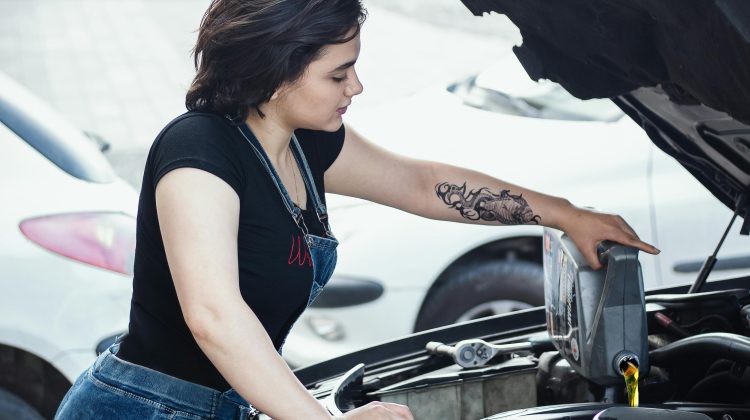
(626, 362)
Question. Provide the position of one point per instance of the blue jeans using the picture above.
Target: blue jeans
(115, 389)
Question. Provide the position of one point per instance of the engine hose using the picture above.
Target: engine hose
(717, 345)
(719, 387)
(719, 366)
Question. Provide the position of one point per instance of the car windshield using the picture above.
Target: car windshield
(505, 88)
(44, 130)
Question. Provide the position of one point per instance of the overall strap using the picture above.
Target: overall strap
(320, 208)
(293, 210)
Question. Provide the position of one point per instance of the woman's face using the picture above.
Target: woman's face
(318, 100)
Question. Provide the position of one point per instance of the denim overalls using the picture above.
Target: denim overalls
(115, 388)
(322, 250)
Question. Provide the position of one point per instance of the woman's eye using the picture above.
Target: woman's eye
(339, 79)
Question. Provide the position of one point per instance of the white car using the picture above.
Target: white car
(398, 273)
(68, 240)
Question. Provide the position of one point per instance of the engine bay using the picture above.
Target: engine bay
(609, 351)
(704, 372)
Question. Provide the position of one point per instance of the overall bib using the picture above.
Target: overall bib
(322, 250)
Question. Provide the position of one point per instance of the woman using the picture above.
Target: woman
(233, 237)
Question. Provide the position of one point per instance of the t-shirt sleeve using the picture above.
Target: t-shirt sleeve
(330, 147)
(198, 141)
(322, 145)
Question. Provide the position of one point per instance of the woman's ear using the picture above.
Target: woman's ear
(279, 92)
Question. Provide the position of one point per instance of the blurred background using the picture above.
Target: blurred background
(120, 68)
(115, 72)
(440, 84)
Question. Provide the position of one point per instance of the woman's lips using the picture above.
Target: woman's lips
(342, 111)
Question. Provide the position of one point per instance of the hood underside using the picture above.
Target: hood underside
(680, 68)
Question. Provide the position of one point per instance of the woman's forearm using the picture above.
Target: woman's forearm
(462, 195)
(238, 345)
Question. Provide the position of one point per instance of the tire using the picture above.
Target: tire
(485, 289)
(14, 408)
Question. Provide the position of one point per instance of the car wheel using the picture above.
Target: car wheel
(14, 408)
(486, 289)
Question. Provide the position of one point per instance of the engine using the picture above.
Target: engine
(609, 352)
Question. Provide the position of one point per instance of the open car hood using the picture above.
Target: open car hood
(679, 68)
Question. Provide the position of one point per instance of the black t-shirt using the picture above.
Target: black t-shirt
(275, 271)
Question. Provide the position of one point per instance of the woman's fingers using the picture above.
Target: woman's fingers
(643, 246)
(626, 227)
(627, 236)
(377, 410)
(594, 227)
(592, 257)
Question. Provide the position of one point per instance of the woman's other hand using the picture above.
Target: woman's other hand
(377, 410)
(588, 228)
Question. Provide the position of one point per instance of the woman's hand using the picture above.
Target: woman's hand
(587, 228)
(377, 410)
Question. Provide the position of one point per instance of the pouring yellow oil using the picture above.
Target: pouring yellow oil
(629, 370)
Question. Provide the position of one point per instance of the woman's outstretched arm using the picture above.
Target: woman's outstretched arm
(445, 192)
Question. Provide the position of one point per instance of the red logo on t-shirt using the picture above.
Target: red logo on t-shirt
(299, 253)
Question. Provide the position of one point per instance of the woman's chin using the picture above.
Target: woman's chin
(334, 125)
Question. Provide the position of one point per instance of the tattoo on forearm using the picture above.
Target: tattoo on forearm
(482, 204)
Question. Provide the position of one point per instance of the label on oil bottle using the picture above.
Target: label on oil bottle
(562, 316)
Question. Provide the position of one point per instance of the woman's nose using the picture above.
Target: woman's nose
(355, 87)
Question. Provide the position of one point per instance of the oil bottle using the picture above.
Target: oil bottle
(595, 318)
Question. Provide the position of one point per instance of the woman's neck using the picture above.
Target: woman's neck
(272, 135)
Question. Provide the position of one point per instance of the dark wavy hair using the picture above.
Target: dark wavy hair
(246, 49)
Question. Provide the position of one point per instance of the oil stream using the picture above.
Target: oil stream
(630, 372)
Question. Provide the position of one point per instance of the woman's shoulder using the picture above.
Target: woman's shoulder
(191, 122)
(201, 140)
(196, 130)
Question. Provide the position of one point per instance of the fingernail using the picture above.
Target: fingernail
(658, 251)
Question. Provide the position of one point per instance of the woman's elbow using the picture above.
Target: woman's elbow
(206, 320)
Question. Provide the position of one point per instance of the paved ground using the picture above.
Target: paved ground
(120, 68)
